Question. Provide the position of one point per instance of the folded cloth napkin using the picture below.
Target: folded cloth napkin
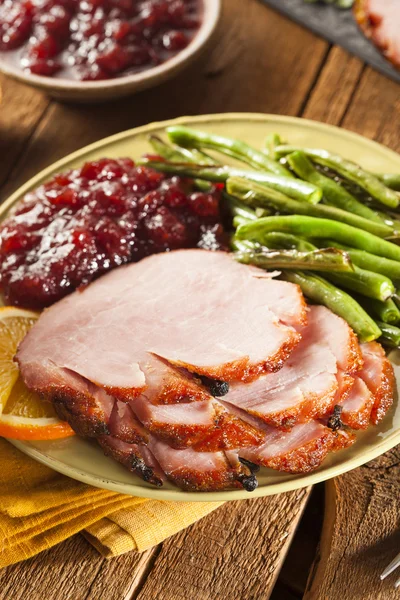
(40, 508)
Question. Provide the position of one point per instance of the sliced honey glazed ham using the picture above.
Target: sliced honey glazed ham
(135, 457)
(380, 20)
(378, 374)
(299, 450)
(306, 387)
(200, 471)
(192, 368)
(196, 309)
(357, 407)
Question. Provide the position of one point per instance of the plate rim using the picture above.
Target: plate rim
(301, 481)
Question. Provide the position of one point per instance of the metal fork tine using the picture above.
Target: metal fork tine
(390, 568)
(397, 584)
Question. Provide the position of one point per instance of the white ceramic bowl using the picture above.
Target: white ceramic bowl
(110, 89)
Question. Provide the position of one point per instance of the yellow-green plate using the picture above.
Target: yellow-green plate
(84, 460)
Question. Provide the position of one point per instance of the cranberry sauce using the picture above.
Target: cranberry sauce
(95, 39)
(87, 221)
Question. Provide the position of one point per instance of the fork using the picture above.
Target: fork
(392, 567)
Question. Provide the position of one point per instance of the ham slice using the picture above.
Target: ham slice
(195, 309)
(86, 407)
(135, 457)
(307, 385)
(378, 375)
(380, 21)
(124, 425)
(367, 396)
(358, 405)
(297, 451)
(205, 425)
(201, 471)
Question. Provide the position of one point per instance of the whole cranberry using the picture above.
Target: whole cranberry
(204, 205)
(166, 229)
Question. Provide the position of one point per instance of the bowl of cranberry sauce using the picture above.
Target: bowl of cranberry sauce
(92, 50)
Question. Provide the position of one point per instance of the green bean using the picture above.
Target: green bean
(255, 195)
(334, 194)
(387, 311)
(177, 154)
(262, 212)
(191, 138)
(180, 154)
(310, 227)
(295, 188)
(389, 219)
(349, 170)
(390, 334)
(321, 291)
(241, 246)
(366, 260)
(237, 208)
(277, 239)
(391, 180)
(366, 283)
(239, 220)
(272, 140)
(328, 259)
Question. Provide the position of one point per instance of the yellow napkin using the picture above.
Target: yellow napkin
(40, 508)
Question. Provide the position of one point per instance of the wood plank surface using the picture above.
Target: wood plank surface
(361, 534)
(20, 111)
(235, 552)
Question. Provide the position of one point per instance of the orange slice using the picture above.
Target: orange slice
(23, 414)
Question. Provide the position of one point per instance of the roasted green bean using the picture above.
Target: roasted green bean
(334, 194)
(387, 312)
(367, 283)
(311, 227)
(295, 188)
(277, 239)
(254, 194)
(348, 170)
(271, 142)
(390, 334)
(328, 259)
(191, 138)
(178, 154)
(391, 180)
(321, 291)
(366, 260)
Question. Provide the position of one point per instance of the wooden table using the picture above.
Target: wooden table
(259, 62)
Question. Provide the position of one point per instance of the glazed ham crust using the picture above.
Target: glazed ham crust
(313, 379)
(380, 21)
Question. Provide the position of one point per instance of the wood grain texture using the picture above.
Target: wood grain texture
(375, 109)
(334, 88)
(74, 570)
(21, 109)
(302, 551)
(233, 553)
(361, 533)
